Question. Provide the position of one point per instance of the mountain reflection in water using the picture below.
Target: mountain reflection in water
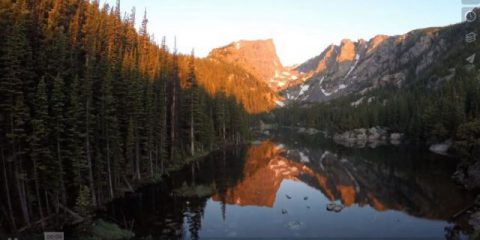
(283, 190)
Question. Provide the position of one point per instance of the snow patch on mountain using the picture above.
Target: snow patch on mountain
(357, 58)
(303, 89)
(358, 102)
(304, 158)
(340, 87)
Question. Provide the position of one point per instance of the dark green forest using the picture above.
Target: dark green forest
(89, 106)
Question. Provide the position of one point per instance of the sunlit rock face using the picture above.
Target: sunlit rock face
(259, 58)
(351, 182)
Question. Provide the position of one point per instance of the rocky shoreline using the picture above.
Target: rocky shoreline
(372, 137)
(467, 174)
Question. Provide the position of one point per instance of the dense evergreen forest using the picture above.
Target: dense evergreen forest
(89, 106)
(428, 110)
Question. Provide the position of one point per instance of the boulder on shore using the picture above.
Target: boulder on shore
(361, 137)
(333, 207)
(468, 176)
(441, 148)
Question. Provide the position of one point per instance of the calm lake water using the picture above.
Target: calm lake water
(300, 186)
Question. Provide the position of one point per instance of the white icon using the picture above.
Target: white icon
(471, 59)
(471, 37)
(471, 16)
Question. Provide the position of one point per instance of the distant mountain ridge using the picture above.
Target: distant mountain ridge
(351, 67)
(360, 66)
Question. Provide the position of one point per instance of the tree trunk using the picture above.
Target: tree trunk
(137, 155)
(172, 122)
(224, 130)
(37, 187)
(151, 163)
(192, 130)
(156, 158)
(60, 162)
(22, 196)
(7, 191)
(16, 169)
(47, 204)
(89, 157)
(109, 168)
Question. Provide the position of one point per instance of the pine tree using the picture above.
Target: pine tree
(58, 127)
(43, 169)
(192, 107)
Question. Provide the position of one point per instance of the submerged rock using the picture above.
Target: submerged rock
(189, 214)
(294, 225)
(333, 207)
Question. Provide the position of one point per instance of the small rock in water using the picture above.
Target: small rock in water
(288, 196)
(305, 198)
(284, 211)
(189, 214)
(172, 225)
(333, 207)
(308, 207)
(294, 225)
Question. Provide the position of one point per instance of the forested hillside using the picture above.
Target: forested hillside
(89, 105)
(429, 110)
(218, 76)
(430, 105)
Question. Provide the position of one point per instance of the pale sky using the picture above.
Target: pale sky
(301, 29)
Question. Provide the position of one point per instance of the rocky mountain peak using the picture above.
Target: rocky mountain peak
(258, 57)
(375, 42)
(360, 66)
(346, 51)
